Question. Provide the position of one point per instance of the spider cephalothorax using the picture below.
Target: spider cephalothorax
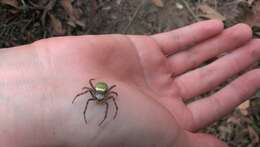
(99, 93)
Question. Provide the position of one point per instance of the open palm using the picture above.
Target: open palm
(154, 75)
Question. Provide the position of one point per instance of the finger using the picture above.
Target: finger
(204, 140)
(208, 110)
(174, 41)
(208, 77)
(228, 40)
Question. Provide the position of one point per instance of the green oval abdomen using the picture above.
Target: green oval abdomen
(101, 86)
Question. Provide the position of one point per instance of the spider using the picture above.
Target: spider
(100, 93)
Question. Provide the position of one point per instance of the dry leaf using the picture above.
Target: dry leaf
(244, 107)
(253, 135)
(179, 6)
(250, 2)
(254, 18)
(56, 25)
(74, 16)
(210, 13)
(158, 3)
(66, 4)
(12, 3)
(234, 120)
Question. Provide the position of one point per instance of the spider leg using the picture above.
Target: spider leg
(82, 93)
(86, 88)
(105, 114)
(86, 107)
(92, 93)
(113, 86)
(116, 107)
(113, 92)
(91, 84)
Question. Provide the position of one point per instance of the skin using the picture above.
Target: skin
(154, 75)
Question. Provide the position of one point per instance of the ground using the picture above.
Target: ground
(24, 21)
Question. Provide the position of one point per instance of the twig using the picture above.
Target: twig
(36, 5)
(48, 7)
(133, 18)
(23, 3)
(216, 4)
(190, 10)
(94, 8)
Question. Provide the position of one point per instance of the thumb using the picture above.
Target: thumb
(204, 140)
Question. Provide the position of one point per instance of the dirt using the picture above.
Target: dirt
(110, 16)
(29, 20)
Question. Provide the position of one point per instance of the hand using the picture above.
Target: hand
(154, 76)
